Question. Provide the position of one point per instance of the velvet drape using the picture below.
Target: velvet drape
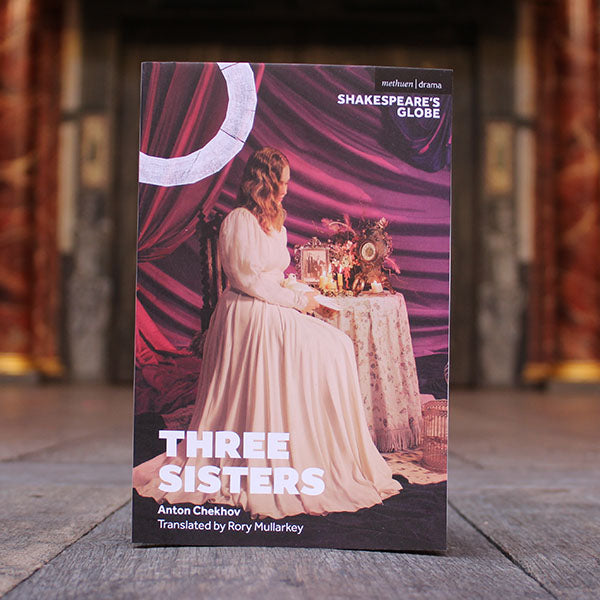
(346, 159)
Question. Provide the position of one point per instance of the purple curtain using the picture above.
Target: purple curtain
(353, 160)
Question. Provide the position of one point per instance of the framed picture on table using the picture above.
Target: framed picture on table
(313, 260)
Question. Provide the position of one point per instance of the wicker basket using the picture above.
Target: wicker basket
(435, 436)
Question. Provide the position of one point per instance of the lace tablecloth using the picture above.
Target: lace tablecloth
(378, 326)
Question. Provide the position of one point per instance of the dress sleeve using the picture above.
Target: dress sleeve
(241, 248)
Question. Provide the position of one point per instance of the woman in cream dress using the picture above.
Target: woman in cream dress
(268, 367)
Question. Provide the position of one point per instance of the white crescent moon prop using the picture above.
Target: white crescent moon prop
(183, 170)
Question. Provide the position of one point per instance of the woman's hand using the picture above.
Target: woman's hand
(311, 304)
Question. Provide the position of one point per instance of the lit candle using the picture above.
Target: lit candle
(340, 281)
(323, 281)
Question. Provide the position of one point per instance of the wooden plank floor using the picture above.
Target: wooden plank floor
(524, 517)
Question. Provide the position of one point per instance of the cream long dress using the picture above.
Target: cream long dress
(269, 368)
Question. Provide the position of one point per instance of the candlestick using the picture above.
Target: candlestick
(329, 280)
(323, 281)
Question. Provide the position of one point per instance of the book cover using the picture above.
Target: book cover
(292, 306)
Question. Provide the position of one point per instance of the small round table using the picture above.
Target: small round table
(378, 326)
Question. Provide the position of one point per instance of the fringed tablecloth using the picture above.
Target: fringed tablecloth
(379, 328)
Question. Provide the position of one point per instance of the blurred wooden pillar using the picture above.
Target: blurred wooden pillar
(16, 185)
(565, 298)
(578, 248)
(29, 96)
(45, 284)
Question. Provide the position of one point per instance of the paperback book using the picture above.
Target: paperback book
(292, 306)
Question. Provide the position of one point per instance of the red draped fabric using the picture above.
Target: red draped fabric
(183, 106)
(359, 161)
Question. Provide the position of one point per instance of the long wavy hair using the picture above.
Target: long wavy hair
(260, 187)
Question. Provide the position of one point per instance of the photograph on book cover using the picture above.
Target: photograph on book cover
(291, 368)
